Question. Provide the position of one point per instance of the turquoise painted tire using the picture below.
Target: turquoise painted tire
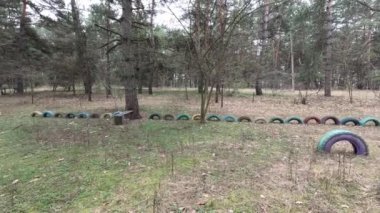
(230, 118)
(294, 118)
(334, 136)
(364, 121)
(276, 120)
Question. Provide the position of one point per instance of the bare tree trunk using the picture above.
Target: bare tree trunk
(292, 61)
(153, 49)
(131, 101)
(108, 65)
(21, 40)
(328, 49)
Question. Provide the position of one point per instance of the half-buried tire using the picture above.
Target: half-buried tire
(83, 115)
(366, 120)
(70, 115)
(327, 118)
(36, 114)
(196, 117)
(107, 115)
(294, 119)
(48, 114)
(59, 115)
(276, 120)
(230, 118)
(183, 117)
(168, 117)
(334, 136)
(95, 115)
(155, 116)
(213, 117)
(348, 120)
(260, 121)
(244, 119)
(311, 118)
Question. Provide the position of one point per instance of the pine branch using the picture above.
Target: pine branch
(108, 30)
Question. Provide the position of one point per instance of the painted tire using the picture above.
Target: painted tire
(70, 115)
(294, 118)
(168, 117)
(183, 117)
(196, 117)
(326, 118)
(260, 121)
(48, 114)
(94, 115)
(155, 116)
(107, 116)
(83, 115)
(334, 136)
(276, 120)
(230, 118)
(59, 115)
(213, 117)
(346, 120)
(364, 121)
(307, 119)
(244, 119)
(36, 114)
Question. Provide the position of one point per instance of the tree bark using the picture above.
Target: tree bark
(153, 49)
(292, 61)
(108, 65)
(328, 48)
(21, 40)
(129, 75)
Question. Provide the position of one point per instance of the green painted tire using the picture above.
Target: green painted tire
(230, 118)
(327, 136)
(294, 118)
(344, 121)
(274, 119)
(213, 117)
(155, 116)
(364, 121)
(183, 117)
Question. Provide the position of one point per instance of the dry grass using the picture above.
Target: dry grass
(275, 172)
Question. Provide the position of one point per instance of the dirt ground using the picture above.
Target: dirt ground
(298, 181)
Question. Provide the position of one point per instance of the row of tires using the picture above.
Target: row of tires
(334, 136)
(294, 119)
(72, 115)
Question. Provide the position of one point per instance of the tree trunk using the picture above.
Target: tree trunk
(328, 48)
(292, 61)
(153, 49)
(108, 65)
(129, 75)
(22, 44)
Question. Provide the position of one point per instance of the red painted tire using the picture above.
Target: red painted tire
(326, 118)
(307, 119)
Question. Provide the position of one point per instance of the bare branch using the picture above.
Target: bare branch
(365, 4)
(108, 30)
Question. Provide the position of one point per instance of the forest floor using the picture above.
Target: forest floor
(91, 165)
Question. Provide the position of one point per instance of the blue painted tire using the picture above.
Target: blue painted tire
(230, 118)
(84, 115)
(48, 114)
